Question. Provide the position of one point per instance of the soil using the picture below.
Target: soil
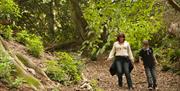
(99, 71)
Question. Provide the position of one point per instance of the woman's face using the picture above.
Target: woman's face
(121, 39)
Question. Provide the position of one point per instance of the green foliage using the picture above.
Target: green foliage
(166, 65)
(33, 42)
(30, 80)
(139, 20)
(22, 37)
(178, 73)
(7, 69)
(177, 53)
(70, 65)
(17, 82)
(6, 32)
(55, 72)
(168, 59)
(94, 84)
(136, 55)
(161, 56)
(64, 70)
(35, 46)
(94, 47)
(56, 89)
(169, 49)
(9, 9)
(49, 18)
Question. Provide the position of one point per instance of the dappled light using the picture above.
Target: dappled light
(89, 45)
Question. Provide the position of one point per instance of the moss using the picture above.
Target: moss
(32, 81)
(29, 79)
(20, 68)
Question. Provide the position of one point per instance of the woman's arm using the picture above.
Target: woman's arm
(130, 53)
(112, 53)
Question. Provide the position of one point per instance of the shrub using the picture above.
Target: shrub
(9, 9)
(35, 46)
(22, 37)
(65, 69)
(17, 82)
(33, 42)
(5, 67)
(70, 65)
(55, 72)
(6, 71)
(177, 52)
(178, 72)
(166, 65)
(94, 84)
(6, 32)
(136, 55)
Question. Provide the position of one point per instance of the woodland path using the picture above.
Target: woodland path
(99, 70)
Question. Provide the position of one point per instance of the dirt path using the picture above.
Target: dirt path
(99, 70)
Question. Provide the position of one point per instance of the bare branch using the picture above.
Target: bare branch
(174, 5)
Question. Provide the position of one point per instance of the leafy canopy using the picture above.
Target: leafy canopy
(139, 20)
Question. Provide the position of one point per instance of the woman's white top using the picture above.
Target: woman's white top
(122, 49)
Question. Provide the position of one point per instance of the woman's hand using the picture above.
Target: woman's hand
(108, 59)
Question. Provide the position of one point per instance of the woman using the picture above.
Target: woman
(123, 58)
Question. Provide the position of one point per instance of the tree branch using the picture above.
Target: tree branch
(174, 5)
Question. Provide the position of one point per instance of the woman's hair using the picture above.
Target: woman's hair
(121, 34)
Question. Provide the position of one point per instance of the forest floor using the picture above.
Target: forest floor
(99, 71)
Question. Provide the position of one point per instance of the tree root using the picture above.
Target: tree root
(21, 69)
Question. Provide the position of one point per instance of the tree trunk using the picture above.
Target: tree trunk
(70, 44)
(79, 21)
(51, 19)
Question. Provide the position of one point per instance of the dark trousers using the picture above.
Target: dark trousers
(122, 65)
(151, 76)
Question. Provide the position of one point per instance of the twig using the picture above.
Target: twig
(174, 5)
